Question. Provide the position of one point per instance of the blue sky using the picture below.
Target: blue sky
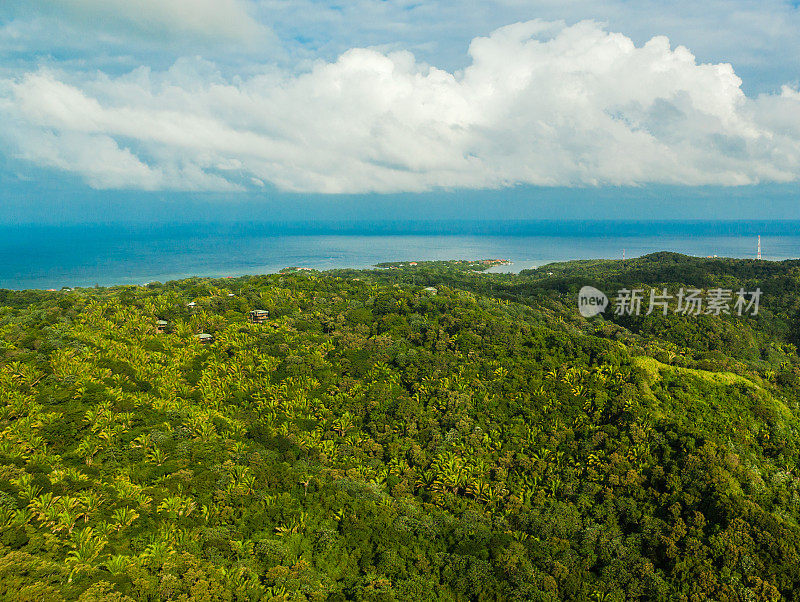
(229, 109)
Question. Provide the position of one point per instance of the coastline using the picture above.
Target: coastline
(36, 259)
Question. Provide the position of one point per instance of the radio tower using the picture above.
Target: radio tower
(758, 255)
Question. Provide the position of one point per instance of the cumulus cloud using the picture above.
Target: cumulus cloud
(541, 103)
(759, 38)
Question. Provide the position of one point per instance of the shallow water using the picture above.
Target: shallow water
(52, 257)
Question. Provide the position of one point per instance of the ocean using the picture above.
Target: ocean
(45, 257)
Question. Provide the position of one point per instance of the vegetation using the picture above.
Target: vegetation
(375, 441)
(458, 264)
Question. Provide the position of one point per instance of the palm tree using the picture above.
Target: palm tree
(248, 484)
(343, 424)
(86, 547)
(242, 549)
(65, 521)
(88, 448)
(90, 501)
(7, 515)
(157, 456)
(27, 488)
(494, 495)
(176, 506)
(478, 488)
(425, 479)
(158, 551)
(23, 516)
(42, 504)
(124, 517)
(170, 505)
(143, 500)
(67, 513)
(451, 473)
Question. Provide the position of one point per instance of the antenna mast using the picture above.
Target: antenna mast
(758, 256)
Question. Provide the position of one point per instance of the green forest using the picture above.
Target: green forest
(409, 432)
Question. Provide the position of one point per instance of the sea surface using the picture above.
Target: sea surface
(47, 257)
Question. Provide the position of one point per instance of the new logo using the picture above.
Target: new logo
(591, 301)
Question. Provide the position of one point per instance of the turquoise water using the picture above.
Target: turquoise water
(52, 257)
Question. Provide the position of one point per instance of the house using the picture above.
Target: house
(191, 305)
(259, 316)
(161, 326)
(431, 290)
(204, 338)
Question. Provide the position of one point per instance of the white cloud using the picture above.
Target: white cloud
(541, 103)
(759, 38)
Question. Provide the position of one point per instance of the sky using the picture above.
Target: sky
(122, 110)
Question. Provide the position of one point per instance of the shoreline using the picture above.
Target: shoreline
(495, 266)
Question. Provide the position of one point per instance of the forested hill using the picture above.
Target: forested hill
(426, 432)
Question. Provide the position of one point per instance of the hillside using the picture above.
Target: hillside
(374, 440)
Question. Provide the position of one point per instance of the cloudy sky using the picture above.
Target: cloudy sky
(539, 108)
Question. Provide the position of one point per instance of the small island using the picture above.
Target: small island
(479, 265)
